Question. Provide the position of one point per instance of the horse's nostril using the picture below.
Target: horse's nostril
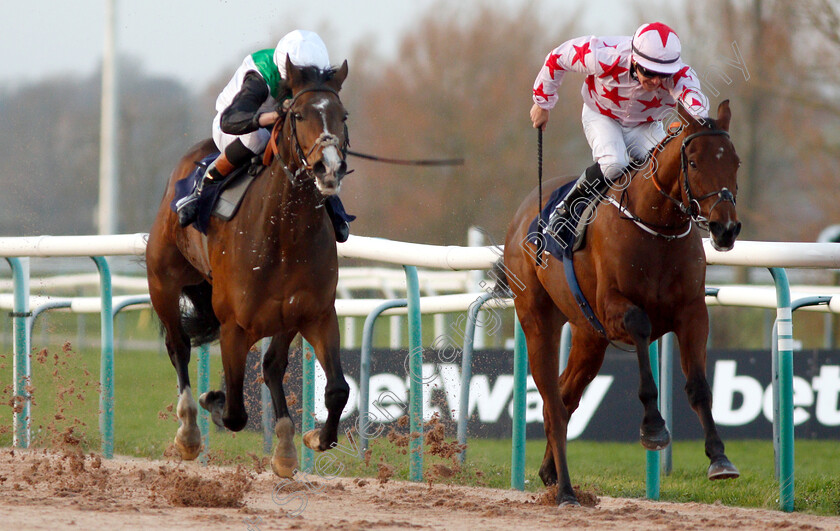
(319, 168)
(737, 230)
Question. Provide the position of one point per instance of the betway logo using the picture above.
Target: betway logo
(822, 394)
(389, 397)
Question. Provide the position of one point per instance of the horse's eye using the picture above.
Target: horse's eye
(692, 164)
(298, 116)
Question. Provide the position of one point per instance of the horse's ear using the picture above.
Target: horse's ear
(724, 115)
(340, 75)
(293, 75)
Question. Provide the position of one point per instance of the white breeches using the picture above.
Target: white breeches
(255, 141)
(614, 145)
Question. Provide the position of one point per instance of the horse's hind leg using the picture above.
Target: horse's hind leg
(284, 460)
(324, 338)
(622, 314)
(692, 330)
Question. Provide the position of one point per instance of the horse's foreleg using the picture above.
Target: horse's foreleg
(542, 334)
(324, 338)
(234, 344)
(284, 460)
(625, 316)
(692, 332)
(188, 436)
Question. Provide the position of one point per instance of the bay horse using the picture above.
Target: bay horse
(642, 269)
(271, 271)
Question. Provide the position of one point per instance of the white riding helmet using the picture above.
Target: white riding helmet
(656, 47)
(304, 48)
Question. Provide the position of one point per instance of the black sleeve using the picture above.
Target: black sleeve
(241, 115)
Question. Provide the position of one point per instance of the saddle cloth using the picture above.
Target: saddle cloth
(220, 199)
(562, 238)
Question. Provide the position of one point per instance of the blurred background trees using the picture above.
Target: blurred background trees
(459, 86)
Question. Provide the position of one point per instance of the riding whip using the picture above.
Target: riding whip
(539, 178)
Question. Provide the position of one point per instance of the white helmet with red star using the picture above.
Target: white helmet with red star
(656, 48)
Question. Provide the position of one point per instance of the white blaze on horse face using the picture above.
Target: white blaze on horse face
(329, 156)
(719, 153)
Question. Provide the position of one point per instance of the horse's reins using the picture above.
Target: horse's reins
(693, 209)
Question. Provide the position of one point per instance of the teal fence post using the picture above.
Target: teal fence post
(365, 432)
(21, 319)
(106, 367)
(666, 397)
(652, 490)
(415, 345)
(520, 376)
(203, 382)
(307, 419)
(466, 371)
(784, 328)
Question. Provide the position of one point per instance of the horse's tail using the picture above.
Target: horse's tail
(499, 273)
(200, 322)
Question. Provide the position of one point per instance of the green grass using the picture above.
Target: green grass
(65, 383)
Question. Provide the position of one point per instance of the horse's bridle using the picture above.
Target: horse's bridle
(692, 208)
(323, 141)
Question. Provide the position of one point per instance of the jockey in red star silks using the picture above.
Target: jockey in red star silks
(631, 84)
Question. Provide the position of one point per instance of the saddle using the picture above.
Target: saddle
(219, 199)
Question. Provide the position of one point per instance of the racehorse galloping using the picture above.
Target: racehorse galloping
(270, 271)
(640, 282)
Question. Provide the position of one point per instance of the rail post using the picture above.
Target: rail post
(21, 319)
(106, 366)
(520, 377)
(415, 345)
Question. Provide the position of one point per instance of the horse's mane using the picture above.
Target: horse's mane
(708, 123)
(311, 75)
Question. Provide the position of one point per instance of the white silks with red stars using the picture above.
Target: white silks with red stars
(609, 88)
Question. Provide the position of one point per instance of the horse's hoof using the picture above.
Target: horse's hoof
(214, 402)
(656, 441)
(567, 500)
(284, 467)
(312, 440)
(187, 452)
(722, 468)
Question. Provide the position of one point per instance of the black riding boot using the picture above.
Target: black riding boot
(339, 218)
(588, 182)
(187, 206)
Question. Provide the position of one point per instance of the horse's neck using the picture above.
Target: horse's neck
(293, 208)
(645, 199)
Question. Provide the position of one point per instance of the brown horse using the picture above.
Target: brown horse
(642, 278)
(270, 271)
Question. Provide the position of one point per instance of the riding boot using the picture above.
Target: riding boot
(588, 182)
(339, 218)
(187, 207)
